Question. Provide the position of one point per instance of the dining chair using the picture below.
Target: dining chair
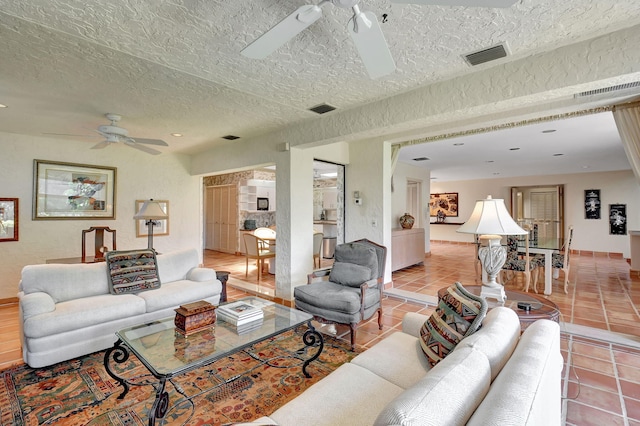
(317, 248)
(267, 235)
(516, 262)
(253, 250)
(560, 261)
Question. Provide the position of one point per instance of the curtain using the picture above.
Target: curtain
(627, 117)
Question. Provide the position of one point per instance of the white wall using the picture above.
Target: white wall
(590, 235)
(139, 176)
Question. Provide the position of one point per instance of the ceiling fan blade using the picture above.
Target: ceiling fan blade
(282, 32)
(372, 47)
(142, 147)
(465, 3)
(101, 145)
(150, 141)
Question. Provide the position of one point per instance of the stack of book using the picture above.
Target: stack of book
(244, 316)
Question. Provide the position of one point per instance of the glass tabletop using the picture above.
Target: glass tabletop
(543, 243)
(166, 352)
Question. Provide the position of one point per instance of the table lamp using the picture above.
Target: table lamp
(491, 220)
(150, 211)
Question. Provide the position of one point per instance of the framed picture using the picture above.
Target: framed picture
(592, 204)
(617, 219)
(160, 227)
(443, 205)
(263, 203)
(9, 215)
(73, 191)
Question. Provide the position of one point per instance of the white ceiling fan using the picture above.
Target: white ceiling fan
(363, 27)
(115, 134)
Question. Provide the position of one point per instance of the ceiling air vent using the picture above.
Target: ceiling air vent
(486, 55)
(322, 108)
(231, 137)
(608, 89)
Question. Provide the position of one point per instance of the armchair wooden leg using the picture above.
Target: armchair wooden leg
(353, 327)
(380, 319)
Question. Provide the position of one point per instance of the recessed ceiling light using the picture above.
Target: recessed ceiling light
(514, 149)
(558, 155)
(421, 159)
(458, 144)
(177, 135)
(549, 131)
(586, 167)
(3, 106)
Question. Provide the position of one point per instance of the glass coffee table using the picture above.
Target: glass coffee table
(166, 353)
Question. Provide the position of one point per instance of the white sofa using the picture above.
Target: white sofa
(493, 377)
(67, 311)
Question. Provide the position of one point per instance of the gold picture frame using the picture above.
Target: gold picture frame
(73, 191)
(160, 227)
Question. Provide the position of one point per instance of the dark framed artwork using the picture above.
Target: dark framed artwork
(618, 219)
(592, 204)
(9, 215)
(443, 205)
(263, 203)
(73, 191)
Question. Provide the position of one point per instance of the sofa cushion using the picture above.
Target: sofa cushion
(177, 293)
(459, 314)
(397, 358)
(497, 338)
(81, 313)
(527, 391)
(448, 395)
(132, 271)
(359, 254)
(350, 395)
(175, 265)
(350, 274)
(333, 297)
(65, 282)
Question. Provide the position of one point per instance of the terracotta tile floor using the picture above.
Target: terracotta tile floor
(599, 319)
(601, 328)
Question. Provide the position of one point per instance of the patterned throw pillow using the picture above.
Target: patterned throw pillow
(458, 315)
(132, 271)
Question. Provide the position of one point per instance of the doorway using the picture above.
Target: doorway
(414, 201)
(328, 204)
(541, 208)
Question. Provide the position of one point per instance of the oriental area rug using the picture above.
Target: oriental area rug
(80, 392)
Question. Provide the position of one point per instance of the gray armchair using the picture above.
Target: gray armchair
(350, 291)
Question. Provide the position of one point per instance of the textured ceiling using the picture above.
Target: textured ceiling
(175, 66)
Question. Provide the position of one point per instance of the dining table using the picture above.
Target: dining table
(546, 247)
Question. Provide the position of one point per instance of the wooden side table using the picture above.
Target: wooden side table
(223, 276)
(541, 307)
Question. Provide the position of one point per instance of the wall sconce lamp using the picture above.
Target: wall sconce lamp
(490, 220)
(150, 212)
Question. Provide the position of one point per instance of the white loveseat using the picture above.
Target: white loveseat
(67, 310)
(493, 377)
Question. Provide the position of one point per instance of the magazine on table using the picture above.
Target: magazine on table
(239, 310)
(237, 321)
(250, 326)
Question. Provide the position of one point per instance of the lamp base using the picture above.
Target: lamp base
(493, 293)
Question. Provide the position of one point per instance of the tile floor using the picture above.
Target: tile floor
(600, 339)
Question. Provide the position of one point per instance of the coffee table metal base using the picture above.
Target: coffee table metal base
(119, 353)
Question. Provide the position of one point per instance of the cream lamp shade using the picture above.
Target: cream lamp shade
(150, 211)
(490, 219)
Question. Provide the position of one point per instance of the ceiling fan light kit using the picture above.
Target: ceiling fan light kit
(363, 28)
(114, 134)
